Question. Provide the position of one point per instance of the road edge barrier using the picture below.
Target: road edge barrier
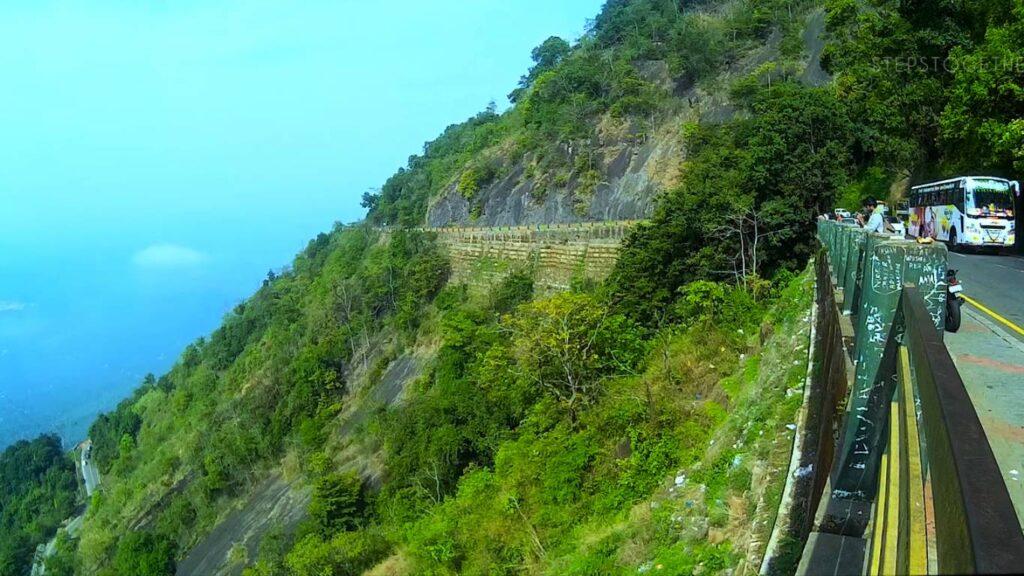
(914, 486)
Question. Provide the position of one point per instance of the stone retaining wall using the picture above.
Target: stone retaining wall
(556, 253)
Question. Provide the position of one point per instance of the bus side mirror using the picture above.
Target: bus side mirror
(1015, 186)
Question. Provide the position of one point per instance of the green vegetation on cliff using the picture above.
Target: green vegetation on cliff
(569, 90)
(635, 425)
(38, 491)
(266, 382)
(533, 436)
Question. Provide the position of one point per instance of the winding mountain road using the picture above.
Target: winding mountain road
(89, 472)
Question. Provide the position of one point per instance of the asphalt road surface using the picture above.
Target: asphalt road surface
(89, 474)
(990, 358)
(994, 281)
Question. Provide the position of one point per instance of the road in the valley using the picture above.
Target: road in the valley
(92, 480)
(989, 354)
(89, 473)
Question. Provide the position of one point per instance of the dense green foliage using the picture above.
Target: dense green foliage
(531, 425)
(540, 431)
(935, 85)
(339, 500)
(743, 208)
(922, 89)
(38, 491)
(144, 554)
(109, 432)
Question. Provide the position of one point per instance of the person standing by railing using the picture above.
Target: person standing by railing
(875, 222)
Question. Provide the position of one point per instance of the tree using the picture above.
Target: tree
(513, 290)
(37, 493)
(346, 554)
(983, 121)
(370, 200)
(746, 202)
(800, 145)
(113, 433)
(698, 47)
(145, 554)
(549, 54)
(545, 57)
(338, 503)
(891, 68)
(569, 343)
(745, 228)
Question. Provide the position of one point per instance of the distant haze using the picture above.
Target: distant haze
(157, 158)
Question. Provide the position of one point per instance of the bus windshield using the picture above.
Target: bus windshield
(990, 197)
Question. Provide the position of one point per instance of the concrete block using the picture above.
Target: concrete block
(853, 271)
(888, 263)
(833, 554)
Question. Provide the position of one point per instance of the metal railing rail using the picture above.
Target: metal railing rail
(976, 528)
(940, 504)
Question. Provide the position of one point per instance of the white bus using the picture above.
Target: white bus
(967, 211)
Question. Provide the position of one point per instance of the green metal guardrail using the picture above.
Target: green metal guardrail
(941, 469)
(912, 450)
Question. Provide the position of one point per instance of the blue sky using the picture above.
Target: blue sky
(157, 158)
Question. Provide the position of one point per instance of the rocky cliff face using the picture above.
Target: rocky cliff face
(633, 167)
(634, 161)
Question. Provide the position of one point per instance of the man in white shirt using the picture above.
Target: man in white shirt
(875, 223)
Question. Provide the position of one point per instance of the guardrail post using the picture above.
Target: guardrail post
(887, 264)
(854, 273)
(843, 236)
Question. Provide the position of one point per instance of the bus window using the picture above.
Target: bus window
(999, 200)
(989, 197)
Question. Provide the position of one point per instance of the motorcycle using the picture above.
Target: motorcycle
(953, 301)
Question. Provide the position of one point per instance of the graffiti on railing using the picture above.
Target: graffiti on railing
(911, 432)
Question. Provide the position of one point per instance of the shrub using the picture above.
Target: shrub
(339, 503)
(345, 554)
(513, 290)
(145, 554)
(569, 343)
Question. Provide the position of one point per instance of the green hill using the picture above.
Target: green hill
(363, 414)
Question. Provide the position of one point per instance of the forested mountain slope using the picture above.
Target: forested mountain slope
(37, 492)
(594, 132)
(631, 426)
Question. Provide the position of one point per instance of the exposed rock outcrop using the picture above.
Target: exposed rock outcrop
(633, 167)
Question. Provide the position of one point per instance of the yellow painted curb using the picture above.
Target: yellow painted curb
(988, 311)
